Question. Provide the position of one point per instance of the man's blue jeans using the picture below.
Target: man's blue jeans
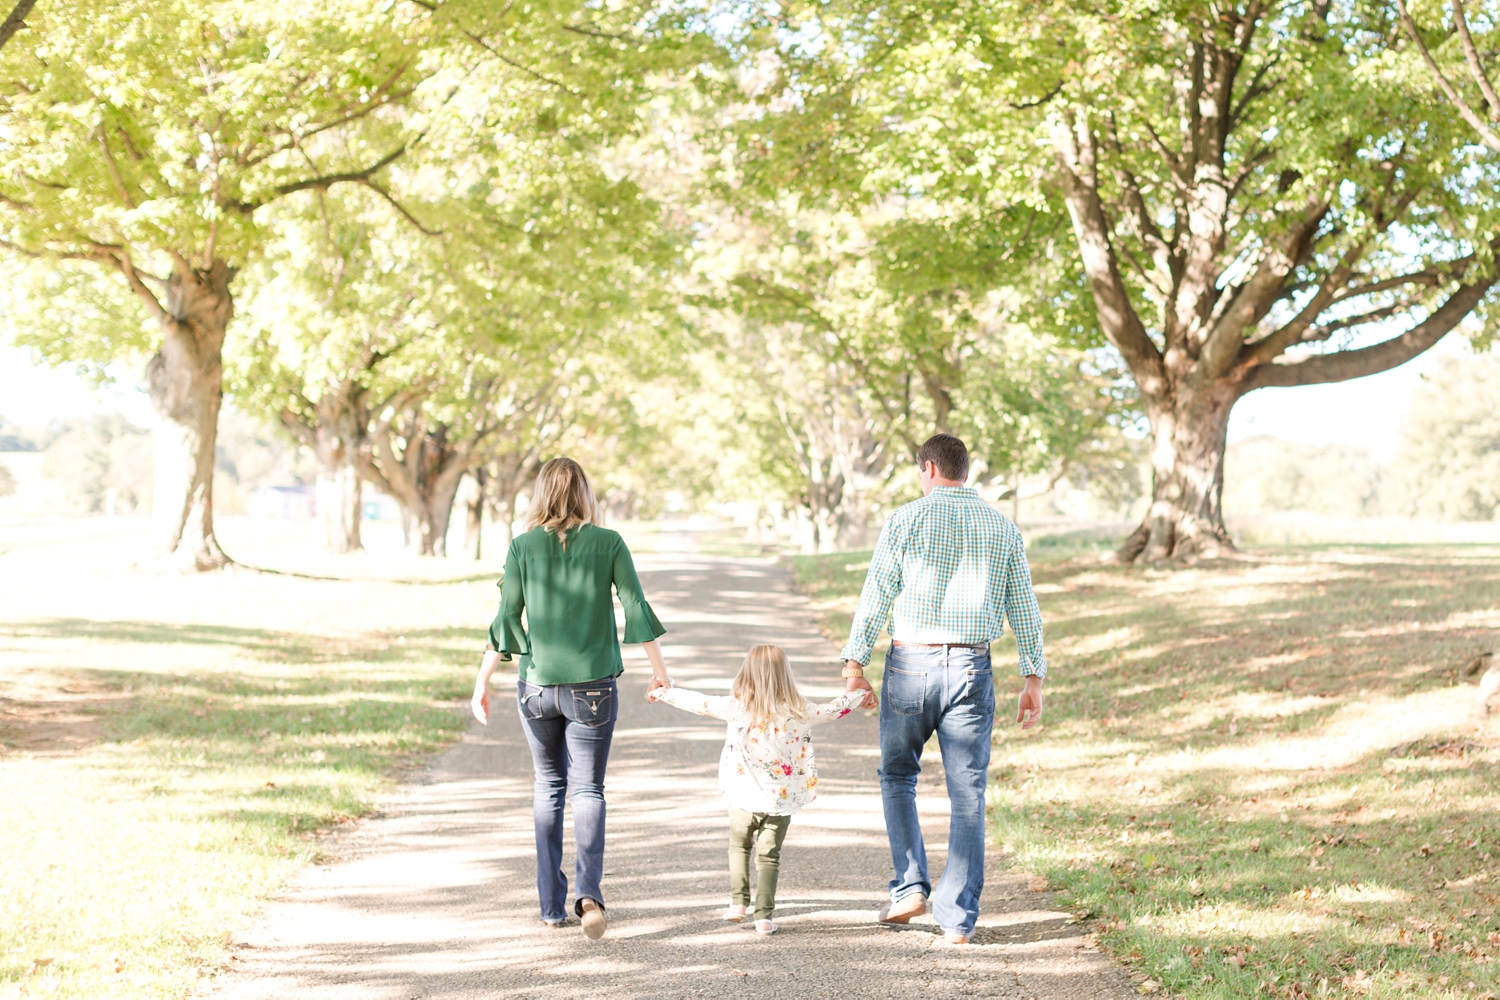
(949, 691)
(569, 727)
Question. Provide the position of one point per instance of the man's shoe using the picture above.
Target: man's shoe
(903, 909)
(594, 923)
(954, 937)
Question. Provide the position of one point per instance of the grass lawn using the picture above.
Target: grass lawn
(172, 748)
(1259, 777)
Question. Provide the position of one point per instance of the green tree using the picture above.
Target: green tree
(145, 137)
(1447, 65)
(1255, 199)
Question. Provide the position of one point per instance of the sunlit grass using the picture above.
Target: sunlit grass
(1261, 777)
(228, 736)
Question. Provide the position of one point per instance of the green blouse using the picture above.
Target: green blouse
(570, 635)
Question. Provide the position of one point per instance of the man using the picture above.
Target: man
(953, 569)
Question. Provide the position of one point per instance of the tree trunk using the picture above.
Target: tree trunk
(474, 528)
(423, 476)
(426, 516)
(185, 382)
(340, 504)
(1185, 520)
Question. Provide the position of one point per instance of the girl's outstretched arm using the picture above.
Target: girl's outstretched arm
(837, 708)
(692, 701)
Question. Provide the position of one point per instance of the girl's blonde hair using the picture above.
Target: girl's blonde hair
(562, 499)
(766, 688)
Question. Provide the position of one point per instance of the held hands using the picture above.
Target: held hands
(659, 683)
(858, 683)
(1029, 706)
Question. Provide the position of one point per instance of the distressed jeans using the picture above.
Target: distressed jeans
(950, 692)
(568, 727)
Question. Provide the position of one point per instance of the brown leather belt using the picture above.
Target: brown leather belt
(942, 645)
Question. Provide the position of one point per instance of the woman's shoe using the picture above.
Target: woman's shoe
(766, 927)
(903, 910)
(594, 923)
(735, 914)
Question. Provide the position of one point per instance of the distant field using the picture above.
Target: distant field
(1260, 777)
(172, 747)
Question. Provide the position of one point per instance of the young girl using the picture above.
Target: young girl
(766, 771)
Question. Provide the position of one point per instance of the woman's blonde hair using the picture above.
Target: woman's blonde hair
(766, 688)
(562, 499)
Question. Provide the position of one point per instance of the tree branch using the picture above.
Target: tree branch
(1074, 146)
(326, 181)
(1320, 333)
(114, 169)
(1486, 134)
(1472, 54)
(1430, 276)
(1342, 365)
(1024, 105)
(1255, 297)
(373, 186)
(477, 40)
(16, 21)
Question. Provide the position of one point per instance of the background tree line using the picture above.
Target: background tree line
(758, 252)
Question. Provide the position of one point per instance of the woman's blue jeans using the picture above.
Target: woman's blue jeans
(951, 692)
(568, 727)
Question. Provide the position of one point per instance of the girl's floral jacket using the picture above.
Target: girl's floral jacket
(765, 767)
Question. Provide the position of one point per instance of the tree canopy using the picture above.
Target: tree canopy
(771, 251)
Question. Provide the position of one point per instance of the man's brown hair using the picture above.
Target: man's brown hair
(949, 453)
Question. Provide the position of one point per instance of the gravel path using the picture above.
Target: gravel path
(436, 897)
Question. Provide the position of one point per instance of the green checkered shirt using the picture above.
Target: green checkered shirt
(953, 568)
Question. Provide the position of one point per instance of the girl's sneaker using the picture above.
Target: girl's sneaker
(735, 913)
(765, 927)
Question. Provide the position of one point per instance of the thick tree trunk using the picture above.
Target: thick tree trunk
(340, 504)
(423, 477)
(185, 381)
(426, 515)
(1185, 520)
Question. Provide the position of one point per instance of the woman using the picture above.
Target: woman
(560, 571)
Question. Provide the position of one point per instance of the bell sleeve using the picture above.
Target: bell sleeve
(506, 632)
(641, 624)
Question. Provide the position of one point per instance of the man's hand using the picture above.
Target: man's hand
(857, 683)
(1029, 709)
(481, 705)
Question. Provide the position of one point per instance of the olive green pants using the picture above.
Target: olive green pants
(762, 833)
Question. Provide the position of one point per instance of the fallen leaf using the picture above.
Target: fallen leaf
(1037, 884)
(738, 972)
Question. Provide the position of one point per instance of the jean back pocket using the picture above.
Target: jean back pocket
(593, 704)
(904, 690)
(529, 696)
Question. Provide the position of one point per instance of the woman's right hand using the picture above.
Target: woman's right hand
(481, 705)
